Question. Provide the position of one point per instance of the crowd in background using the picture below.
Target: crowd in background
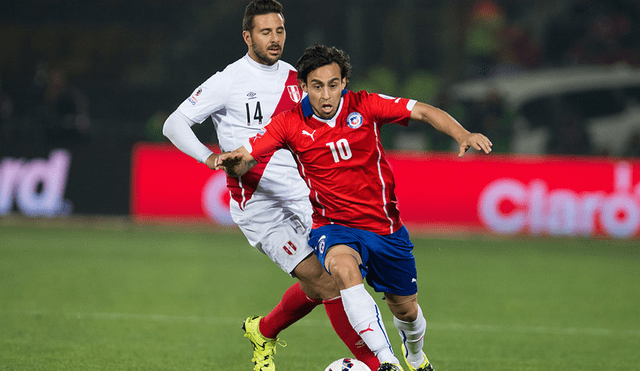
(577, 33)
(66, 104)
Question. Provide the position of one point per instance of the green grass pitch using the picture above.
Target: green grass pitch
(156, 299)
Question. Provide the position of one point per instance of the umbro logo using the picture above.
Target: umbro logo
(251, 95)
(304, 132)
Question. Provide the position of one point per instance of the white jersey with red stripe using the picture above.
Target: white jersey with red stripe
(342, 159)
(241, 100)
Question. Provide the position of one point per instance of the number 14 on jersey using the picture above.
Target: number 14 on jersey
(257, 113)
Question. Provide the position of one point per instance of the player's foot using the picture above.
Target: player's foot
(263, 348)
(425, 366)
(386, 366)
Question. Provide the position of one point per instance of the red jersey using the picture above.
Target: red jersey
(342, 159)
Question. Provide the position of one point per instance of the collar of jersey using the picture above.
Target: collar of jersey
(307, 110)
(261, 66)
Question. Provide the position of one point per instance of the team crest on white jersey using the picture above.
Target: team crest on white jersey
(294, 93)
(354, 120)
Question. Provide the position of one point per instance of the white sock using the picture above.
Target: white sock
(364, 316)
(412, 334)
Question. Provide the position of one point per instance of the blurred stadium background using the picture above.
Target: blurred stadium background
(115, 249)
(97, 77)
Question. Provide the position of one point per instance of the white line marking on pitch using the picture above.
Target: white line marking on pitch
(325, 323)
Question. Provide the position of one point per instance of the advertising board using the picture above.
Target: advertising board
(501, 194)
(36, 187)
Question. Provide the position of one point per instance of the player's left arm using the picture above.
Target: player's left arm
(443, 122)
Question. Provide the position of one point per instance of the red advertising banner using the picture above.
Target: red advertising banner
(167, 185)
(536, 195)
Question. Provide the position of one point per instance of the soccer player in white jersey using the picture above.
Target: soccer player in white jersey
(270, 204)
(357, 232)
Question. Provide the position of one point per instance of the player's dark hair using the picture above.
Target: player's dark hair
(318, 56)
(259, 7)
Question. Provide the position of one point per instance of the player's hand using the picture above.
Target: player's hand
(227, 161)
(220, 161)
(477, 141)
(211, 161)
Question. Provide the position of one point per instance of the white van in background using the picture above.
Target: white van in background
(606, 97)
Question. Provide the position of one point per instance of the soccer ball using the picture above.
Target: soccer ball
(347, 364)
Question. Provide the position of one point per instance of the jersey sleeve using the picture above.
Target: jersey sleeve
(178, 129)
(269, 139)
(206, 99)
(386, 109)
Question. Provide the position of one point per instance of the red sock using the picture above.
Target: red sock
(349, 336)
(294, 305)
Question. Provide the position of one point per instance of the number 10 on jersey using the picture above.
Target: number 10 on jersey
(340, 150)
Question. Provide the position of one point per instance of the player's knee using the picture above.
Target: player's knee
(404, 310)
(316, 282)
(345, 270)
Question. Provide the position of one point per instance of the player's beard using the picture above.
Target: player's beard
(265, 57)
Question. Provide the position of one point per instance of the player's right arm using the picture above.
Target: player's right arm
(206, 99)
(177, 128)
(235, 163)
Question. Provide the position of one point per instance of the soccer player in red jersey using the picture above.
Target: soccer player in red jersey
(334, 135)
(271, 203)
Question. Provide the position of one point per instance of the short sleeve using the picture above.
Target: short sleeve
(386, 109)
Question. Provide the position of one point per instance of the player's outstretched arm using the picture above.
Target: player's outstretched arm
(443, 122)
(235, 163)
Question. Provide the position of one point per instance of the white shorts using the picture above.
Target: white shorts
(279, 229)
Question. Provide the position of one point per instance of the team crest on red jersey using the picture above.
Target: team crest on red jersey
(294, 93)
(354, 120)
